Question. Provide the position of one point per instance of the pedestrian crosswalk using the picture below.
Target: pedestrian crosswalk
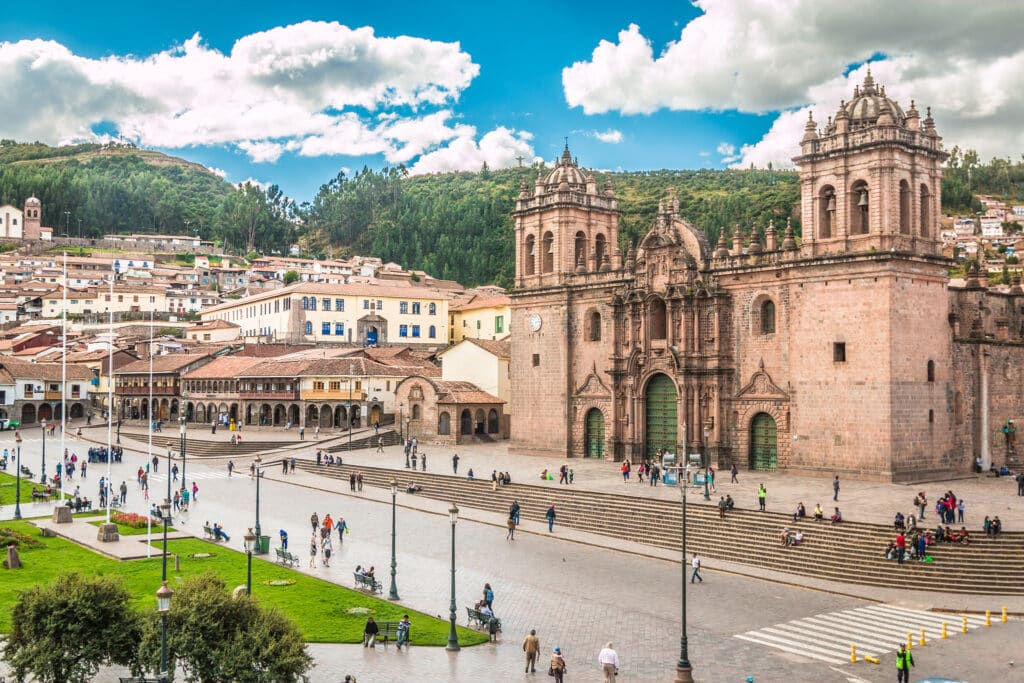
(874, 629)
(202, 474)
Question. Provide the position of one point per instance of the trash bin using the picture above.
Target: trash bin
(264, 545)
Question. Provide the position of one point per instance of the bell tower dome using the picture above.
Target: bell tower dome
(32, 219)
(565, 225)
(872, 178)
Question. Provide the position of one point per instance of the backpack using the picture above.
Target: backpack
(917, 501)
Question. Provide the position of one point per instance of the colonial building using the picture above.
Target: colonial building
(848, 352)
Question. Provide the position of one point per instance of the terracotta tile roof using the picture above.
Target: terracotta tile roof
(212, 325)
(23, 369)
(172, 362)
(226, 367)
(276, 368)
(368, 290)
(479, 301)
(462, 392)
(501, 348)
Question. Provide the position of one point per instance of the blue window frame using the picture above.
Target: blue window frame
(339, 329)
(325, 329)
(326, 305)
(416, 308)
(432, 309)
(433, 332)
(339, 305)
(403, 330)
(415, 330)
(366, 304)
(309, 327)
(403, 307)
(312, 303)
(305, 303)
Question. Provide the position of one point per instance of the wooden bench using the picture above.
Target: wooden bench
(389, 630)
(209, 533)
(40, 495)
(480, 618)
(285, 557)
(363, 581)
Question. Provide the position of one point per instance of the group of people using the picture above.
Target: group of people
(500, 478)
(325, 458)
(321, 543)
(792, 537)
(607, 659)
(993, 526)
(371, 631)
(566, 475)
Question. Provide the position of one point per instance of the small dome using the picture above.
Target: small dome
(568, 172)
(868, 103)
(32, 200)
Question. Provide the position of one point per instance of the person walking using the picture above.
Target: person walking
(455, 463)
(511, 525)
(293, 465)
(342, 526)
(284, 466)
(174, 472)
(423, 461)
(557, 666)
(695, 563)
(734, 471)
(359, 481)
(904, 660)
(195, 492)
(835, 488)
(312, 550)
(252, 469)
(488, 596)
(531, 646)
(1020, 484)
(231, 468)
(302, 433)
(284, 539)
(352, 481)
(762, 494)
(550, 515)
(314, 520)
(380, 444)
(325, 545)
(959, 508)
(370, 632)
(514, 512)
(609, 661)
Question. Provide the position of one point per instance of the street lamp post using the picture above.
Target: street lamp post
(259, 474)
(182, 449)
(393, 593)
(118, 430)
(684, 670)
(453, 637)
(17, 486)
(163, 606)
(42, 476)
(707, 457)
(250, 545)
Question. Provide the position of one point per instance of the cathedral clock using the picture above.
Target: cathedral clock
(534, 322)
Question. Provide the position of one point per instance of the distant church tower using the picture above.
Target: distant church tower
(871, 179)
(32, 228)
(567, 267)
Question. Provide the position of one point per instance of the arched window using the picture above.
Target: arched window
(433, 332)
(594, 326)
(530, 255)
(859, 206)
(926, 211)
(580, 250)
(768, 317)
(416, 411)
(931, 371)
(305, 303)
(904, 208)
(492, 421)
(444, 424)
(432, 309)
(600, 248)
(656, 322)
(547, 249)
(309, 327)
(826, 211)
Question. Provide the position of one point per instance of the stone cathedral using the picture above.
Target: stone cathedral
(845, 352)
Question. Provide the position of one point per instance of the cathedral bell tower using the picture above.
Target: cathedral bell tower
(871, 179)
(564, 226)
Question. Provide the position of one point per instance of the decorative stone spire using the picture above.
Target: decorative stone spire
(811, 129)
(973, 274)
(755, 242)
(523, 194)
(929, 122)
(609, 191)
(913, 117)
(885, 117)
(770, 237)
(581, 265)
(789, 240)
(737, 241)
(631, 257)
(722, 248)
(869, 84)
(606, 263)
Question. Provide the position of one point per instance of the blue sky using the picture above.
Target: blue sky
(288, 93)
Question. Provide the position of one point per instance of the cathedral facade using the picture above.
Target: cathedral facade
(845, 352)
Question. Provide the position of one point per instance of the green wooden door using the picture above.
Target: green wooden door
(764, 446)
(595, 433)
(662, 421)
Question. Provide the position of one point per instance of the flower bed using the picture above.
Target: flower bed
(130, 519)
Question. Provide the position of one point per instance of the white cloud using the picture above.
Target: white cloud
(219, 172)
(312, 88)
(257, 183)
(497, 148)
(610, 136)
(963, 59)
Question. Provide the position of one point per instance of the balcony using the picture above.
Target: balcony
(267, 395)
(144, 390)
(335, 395)
(51, 395)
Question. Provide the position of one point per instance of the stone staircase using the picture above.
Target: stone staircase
(201, 447)
(366, 439)
(851, 552)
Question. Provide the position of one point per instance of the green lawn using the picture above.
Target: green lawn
(318, 608)
(8, 483)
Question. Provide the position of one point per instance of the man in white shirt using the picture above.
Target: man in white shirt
(696, 570)
(609, 661)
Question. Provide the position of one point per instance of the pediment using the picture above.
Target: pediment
(593, 386)
(761, 385)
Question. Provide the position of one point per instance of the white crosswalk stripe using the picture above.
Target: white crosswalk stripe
(162, 476)
(875, 630)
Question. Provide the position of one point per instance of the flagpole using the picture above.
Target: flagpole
(64, 375)
(110, 392)
(149, 413)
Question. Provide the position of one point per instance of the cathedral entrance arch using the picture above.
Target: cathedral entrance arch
(594, 435)
(764, 444)
(660, 406)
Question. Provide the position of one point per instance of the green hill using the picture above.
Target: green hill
(112, 188)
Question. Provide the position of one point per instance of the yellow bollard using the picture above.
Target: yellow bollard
(988, 617)
(1004, 614)
(943, 629)
(963, 627)
(873, 660)
(853, 652)
(922, 637)
(910, 640)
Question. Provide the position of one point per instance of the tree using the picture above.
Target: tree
(64, 632)
(291, 276)
(216, 637)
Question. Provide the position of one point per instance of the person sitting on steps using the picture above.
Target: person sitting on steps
(837, 517)
(819, 514)
(800, 513)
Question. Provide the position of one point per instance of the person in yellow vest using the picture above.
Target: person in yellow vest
(904, 660)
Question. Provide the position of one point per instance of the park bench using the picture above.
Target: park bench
(369, 582)
(40, 495)
(480, 618)
(209, 533)
(389, 630)
(26, 472)
(285, 557)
